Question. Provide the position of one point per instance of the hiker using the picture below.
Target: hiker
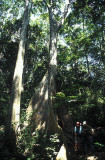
(80, 131)
(87, 137)
(77, 133)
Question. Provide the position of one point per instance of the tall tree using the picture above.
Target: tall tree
(55, 26)
(14, 110)
(47, 88)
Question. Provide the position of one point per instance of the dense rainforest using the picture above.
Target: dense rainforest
(52, 75)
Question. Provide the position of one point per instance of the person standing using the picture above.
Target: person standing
(77, 138)
(80, 131)
(87, 137)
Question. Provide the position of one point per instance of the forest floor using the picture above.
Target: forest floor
(98, 153)
(91, 156)
(95, 155)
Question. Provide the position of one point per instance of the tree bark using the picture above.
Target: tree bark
(38, 107)
(52, 126)
(14, 110)
(52, 70)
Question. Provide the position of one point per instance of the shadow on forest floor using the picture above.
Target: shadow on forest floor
(89, 156)
(98, 152)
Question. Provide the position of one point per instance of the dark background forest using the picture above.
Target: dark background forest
(80, 78)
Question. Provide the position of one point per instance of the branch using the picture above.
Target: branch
(48, 6)
(64, 14)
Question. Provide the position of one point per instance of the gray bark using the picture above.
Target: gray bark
(53, 127)
(38, 107)
(17, 78)
(50, 82)
(14, 110)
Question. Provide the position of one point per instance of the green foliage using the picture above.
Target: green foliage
(60, 99)
(60, 95)
(52, 146)
(37, 146)
(26, 139)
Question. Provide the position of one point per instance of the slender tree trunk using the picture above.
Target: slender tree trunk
(14, 110)
(85, 50)
(87, 63)
(101, 42)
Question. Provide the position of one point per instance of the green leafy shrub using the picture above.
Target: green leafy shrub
(47, 148)
(52, 146)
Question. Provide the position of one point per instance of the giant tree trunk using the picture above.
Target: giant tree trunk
(38, 107)
(14, 110)
(52, 71)
(42, 100)
(53, 127)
